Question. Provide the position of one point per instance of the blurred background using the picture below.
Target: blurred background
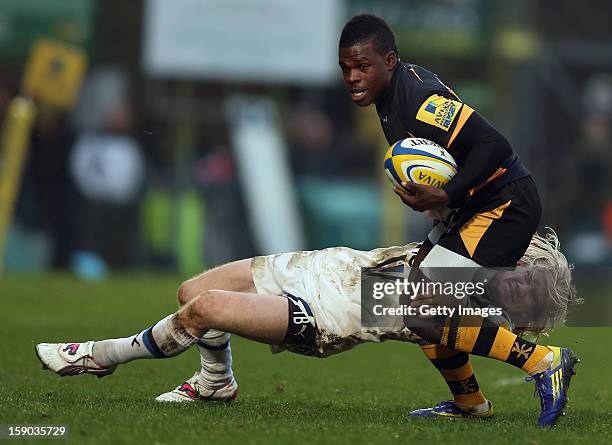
(179, 135)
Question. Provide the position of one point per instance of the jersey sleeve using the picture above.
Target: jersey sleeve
(433, 111)
(480, 151)
(438, 116)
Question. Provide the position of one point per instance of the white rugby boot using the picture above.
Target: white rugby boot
(192, 391)
(71, 359)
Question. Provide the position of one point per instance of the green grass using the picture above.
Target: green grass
(361, 396)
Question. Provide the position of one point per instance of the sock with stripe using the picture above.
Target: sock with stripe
(166, 338)
(216, 359)
(457, 371)
(497, 342)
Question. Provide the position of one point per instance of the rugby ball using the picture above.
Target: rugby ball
(420, 161)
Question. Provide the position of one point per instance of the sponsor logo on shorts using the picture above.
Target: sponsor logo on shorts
(303, 315)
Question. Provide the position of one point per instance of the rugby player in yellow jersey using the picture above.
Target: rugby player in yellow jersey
(497, 212)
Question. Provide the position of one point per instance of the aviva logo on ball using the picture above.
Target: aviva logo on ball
(421, 161)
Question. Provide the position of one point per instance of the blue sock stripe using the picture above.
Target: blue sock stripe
(214, 348)
(150, 344)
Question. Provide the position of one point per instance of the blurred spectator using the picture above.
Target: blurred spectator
(44, 200)
(310, 136)
(589, 188)
(39, 235)
(335, 182)
(107, 167)
(227, 238)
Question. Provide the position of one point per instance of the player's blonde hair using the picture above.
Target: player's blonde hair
(544, 256)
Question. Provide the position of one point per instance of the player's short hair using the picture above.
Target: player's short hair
(543, 256)
(366, 27)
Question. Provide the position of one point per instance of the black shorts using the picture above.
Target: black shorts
(495, 227)
(301, 336)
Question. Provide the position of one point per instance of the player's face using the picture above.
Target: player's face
(519, 293)
(366, 72)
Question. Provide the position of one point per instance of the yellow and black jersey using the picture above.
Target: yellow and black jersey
(418, 104)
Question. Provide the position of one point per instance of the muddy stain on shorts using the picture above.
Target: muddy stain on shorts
(298, 259)
(258, 268)
(329, 343)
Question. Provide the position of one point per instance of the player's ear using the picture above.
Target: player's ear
(391, 60)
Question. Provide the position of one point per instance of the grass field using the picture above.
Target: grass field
(361, 396)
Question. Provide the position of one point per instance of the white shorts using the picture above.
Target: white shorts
(329, 280)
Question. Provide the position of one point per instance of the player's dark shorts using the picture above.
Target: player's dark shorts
(495, 227)
(301, 336)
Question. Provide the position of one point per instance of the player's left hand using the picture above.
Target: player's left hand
(422, 197)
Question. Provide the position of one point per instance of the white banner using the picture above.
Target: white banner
(288, 41)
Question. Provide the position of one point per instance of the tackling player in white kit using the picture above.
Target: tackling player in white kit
(306, 302)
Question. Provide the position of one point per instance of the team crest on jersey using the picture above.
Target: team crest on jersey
(438, 111)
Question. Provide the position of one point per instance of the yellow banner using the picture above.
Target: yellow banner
(54, 73)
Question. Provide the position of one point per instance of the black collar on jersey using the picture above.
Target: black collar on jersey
(387, 96)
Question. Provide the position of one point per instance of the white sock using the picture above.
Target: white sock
(216, 359)
(474, 409)
(167, 338)
(543, 364)
(120, 350)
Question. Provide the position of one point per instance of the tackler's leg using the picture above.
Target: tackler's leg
(262, 318)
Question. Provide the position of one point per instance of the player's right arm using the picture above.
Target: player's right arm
(433, 111)
(480, 151)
